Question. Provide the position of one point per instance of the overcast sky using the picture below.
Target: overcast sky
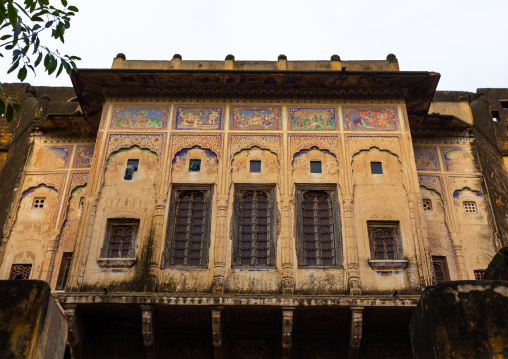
(465, 41)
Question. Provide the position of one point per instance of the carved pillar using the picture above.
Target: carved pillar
(287, 244)
(219, 266)
(356, 331)
(287, 331)
(217, 332)
(74, 331)
(355, 287)
(157, 238)
(460, 263)
(50, 256)
(149, 330)
(87, 239)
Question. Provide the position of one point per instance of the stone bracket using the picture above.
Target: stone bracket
(287, 331)
(75, 331)
(149, 330)
(217, 332)
(356, 331)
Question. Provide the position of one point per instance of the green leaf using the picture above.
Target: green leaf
(13, 67)
(59, 69)
(37, 18)
(47, 61)
(36, 27)
(64, 3)
(22, 73)
(5, 37)
(2, 107)
(73, 8)
(16, 106)
(49, 23)
(38, 61)
(9, 114)
(13, 14)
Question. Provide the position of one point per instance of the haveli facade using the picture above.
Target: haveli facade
(250, 209)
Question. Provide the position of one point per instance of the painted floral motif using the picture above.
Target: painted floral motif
(139, 117)
(198, 118)
(312, 118)
(371, 118)
(239, 142)
(84, 156)
(254, 118)
(431, 181)
(457, 159)
(328, 142)
(426, 159)
(181, 141)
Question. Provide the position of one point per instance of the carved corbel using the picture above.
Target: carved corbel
(148, 330)
(74, 331)
(356, 331)
(287, 332)
(217, 332)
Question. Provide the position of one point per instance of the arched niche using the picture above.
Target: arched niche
(241, 166)
(43, 210)
(147, 171)
(390, 163)
(301, 166)
(194, 165)
(437, 228)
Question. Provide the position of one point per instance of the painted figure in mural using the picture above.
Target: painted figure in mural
(198, 118)
(85, 156)
(138, 118)
(371, 118)
(313, 119)
(425, 159)
(254, 119)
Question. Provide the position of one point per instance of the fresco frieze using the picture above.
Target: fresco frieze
(457, 158)
(312, 118)
(254, 118)
(136, 117)
(426, 159)
(198, 118)
(371, 119)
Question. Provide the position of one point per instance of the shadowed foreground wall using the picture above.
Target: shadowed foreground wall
(31, 325)
(462, 319)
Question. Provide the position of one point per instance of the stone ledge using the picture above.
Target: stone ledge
(388, 265)
(116, 262)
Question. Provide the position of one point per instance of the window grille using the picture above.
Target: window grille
(194, 165)
(20, 271)
(65, 266)
(440, 269)
(427, 205)
(470, 207)
(120, 238)
(254, 239)
(479, 274)
(39, 202)
(187, 236)
(385, 241)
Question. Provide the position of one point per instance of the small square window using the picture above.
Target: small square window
(132, 166)
(194, 165)
(470, 207)
(39, 202)
(479, 274)
(20, 271)
(495, 115)
(427, 205)
(120, 238)
(385, 240)
(504, 104)
(376, 168)
(255, 166)
(440, 269)
(315, 167)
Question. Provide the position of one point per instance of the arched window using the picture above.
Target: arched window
(319, 229)
(187, 234)
(254, 238)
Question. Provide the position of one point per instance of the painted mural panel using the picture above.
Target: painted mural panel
(457, 158)
(84, 156)
(198, 118)
(370, 118)
(254, 118)
(136, 117)
(52, 157)
(426, 159)
(312, 118)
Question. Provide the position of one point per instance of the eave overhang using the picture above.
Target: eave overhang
(94, 86)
